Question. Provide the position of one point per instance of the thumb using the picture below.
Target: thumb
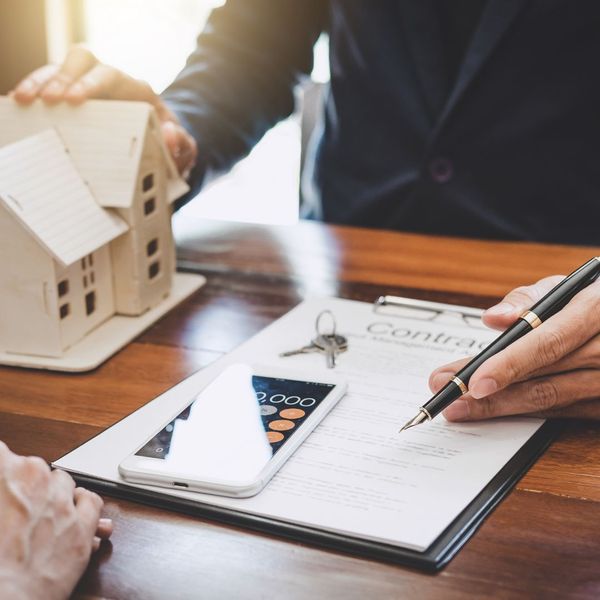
(514, 304)
(170, 137)
(181, 146)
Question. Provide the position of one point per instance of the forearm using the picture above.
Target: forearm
(240, 79)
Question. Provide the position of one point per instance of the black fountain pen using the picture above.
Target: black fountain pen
(550, 304)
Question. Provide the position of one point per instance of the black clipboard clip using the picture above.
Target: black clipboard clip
(423, 310)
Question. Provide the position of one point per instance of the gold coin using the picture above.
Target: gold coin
(292, 413)
(281, 425)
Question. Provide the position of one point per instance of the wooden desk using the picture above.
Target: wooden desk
(542, 542)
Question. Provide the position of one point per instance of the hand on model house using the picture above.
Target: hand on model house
(82, 76)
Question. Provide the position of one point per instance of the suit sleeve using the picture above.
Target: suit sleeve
(240, 79)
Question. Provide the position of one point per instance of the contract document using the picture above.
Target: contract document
(355, 475)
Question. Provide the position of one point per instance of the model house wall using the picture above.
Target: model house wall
(144, 257)
(84, 295)
(28, 304)
(56, 280)
(45, 307)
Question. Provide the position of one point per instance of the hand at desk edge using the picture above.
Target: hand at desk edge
(553, 371)
(49, 528)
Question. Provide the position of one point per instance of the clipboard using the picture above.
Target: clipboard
(439, 552)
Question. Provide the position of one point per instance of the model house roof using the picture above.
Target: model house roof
(41, 188)
(104, 137)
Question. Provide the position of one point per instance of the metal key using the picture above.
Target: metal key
(330, 344)
(330, 348)
(317, 344)
(312, 347)
(337, 341)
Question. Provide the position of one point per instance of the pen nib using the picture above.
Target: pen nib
(422, 416)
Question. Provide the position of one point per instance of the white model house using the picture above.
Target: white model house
(85, 220)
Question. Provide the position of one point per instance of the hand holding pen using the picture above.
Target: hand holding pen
(550, 368)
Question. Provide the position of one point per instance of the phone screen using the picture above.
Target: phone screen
(235, 425)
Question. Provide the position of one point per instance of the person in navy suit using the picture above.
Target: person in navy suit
(472, 118)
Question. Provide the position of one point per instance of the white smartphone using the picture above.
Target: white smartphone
(236, 432)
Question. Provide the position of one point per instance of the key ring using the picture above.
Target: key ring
(318, 323)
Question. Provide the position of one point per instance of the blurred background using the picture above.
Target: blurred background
(150, 40)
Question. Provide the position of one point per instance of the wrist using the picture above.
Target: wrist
(18, 584)
(164, 113)
(17, 587)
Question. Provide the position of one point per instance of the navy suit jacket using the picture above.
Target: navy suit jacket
(509, 149)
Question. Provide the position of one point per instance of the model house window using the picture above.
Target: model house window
(64, 311)
(86, 265)
(90, 303)
(148, 182)
(87, 261)
(63, 288)
(153, 269)
(149, 206)
(152, 247)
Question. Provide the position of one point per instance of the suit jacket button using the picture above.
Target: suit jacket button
(441, 169)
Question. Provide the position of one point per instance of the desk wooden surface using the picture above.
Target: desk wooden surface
(542, 542)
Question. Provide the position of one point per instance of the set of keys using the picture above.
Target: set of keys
(331, 343)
